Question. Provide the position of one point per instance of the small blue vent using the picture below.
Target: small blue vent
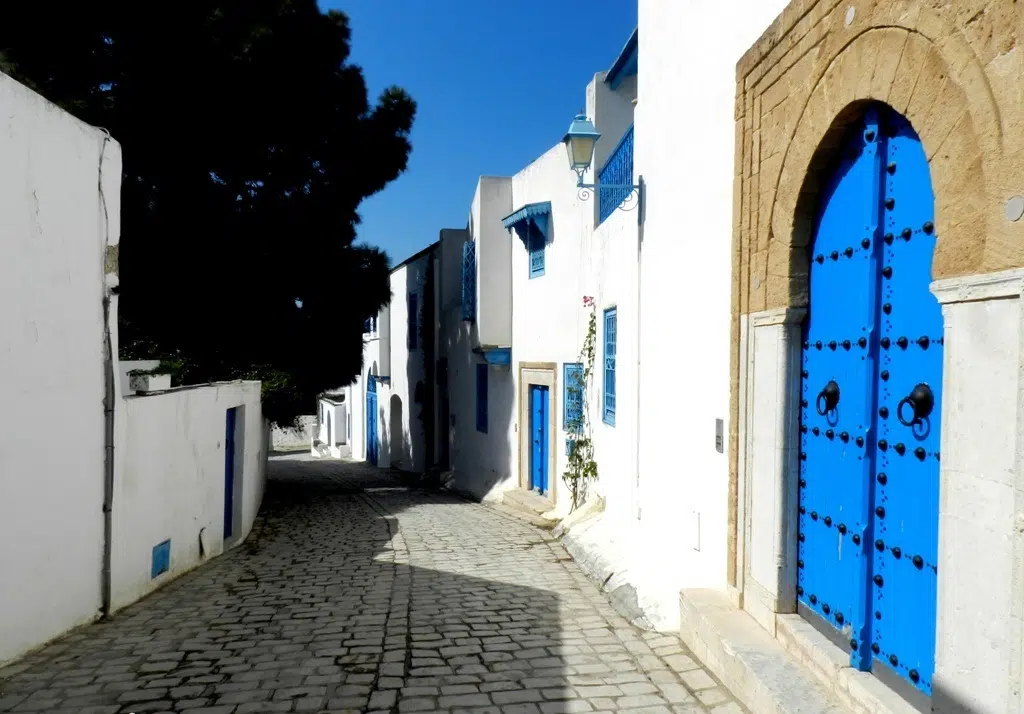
(161, 558)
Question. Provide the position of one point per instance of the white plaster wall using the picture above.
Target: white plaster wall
(492, 202)
(293, 437)
(403, 434)
(981, 498)
(684, 137)
(54, 228)
(169, 479)
(550, 320)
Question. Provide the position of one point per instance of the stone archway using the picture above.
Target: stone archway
(958, 127)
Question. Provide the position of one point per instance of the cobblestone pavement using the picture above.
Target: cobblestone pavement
(356, 594)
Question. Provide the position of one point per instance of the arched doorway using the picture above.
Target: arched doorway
(870, 405)
(371, 419)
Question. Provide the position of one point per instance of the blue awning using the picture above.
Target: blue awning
(536, 212)
(530, 210)
(497, 356)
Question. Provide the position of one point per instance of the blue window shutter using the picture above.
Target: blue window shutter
(535, 241)
(469, 280)
(481, 398)
(610, 334)
(572, 401)
(413, 321)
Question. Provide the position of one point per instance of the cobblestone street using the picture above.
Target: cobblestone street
(354, 593)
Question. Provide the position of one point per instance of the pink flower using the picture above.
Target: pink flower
(588, 301)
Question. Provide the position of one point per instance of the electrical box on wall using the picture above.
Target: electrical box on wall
(720, 435)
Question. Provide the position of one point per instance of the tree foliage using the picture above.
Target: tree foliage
(249, 143)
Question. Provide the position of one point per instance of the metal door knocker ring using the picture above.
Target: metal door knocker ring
(830, 396)
(921, 401)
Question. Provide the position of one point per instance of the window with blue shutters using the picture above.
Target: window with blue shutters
(610, 334)
(414, 320)
(572, 400)
(481, 398)
(469, 280)
(536, 241)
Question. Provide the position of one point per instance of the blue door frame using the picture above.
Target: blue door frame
(870, 405)
(540, 440)
(229, 471)
(371, 419)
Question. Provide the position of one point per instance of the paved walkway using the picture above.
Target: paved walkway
(356, 594)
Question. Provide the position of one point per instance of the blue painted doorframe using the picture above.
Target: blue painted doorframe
(540, 416)
(871, 397)
(229, 472)
(371, 419)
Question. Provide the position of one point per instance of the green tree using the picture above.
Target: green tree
(249, 143)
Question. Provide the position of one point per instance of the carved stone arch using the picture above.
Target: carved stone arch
(920, 79)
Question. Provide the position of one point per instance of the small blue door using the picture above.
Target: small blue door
(870, 405)
(229, 472)
(371, 419)
(539, 415)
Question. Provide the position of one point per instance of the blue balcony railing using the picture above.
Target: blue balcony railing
(618, 169)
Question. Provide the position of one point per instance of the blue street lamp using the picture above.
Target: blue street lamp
(579, 142)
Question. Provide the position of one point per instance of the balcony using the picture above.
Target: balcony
(618, 169)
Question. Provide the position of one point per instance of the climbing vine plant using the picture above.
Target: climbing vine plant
(582, 468)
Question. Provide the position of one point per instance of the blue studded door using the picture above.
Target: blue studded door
(371, 419)
(870, 405)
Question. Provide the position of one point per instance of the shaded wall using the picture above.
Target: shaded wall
(59, 218)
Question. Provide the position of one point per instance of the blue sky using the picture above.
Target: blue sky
(497, 83)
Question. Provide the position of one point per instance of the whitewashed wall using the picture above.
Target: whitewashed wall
(493, 199)
(170, 478)
(357, 403)
(55, 226)
(684, 137)
(292, 437)
(403, 434)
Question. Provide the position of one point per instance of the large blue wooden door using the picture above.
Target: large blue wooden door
(540, 413)
(229, 472)
(870, 405)
(371, 419)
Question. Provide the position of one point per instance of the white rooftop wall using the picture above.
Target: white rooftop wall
(491, 203)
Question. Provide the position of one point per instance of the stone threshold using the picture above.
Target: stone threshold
(797, 672)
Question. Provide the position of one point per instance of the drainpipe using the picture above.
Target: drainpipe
(110, 282)
(108, 456)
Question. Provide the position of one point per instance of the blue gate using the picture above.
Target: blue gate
(870, 405)
(371, 419)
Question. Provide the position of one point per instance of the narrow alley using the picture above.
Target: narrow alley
(354, 593)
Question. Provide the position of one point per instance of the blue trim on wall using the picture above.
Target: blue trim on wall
(481, 398)
(498, 356)
(161, 559)
(611, 330)
(627, 63)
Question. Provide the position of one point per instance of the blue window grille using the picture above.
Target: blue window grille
(481, 398)
(469, 280)
(536, 242)
(572, 400)
(610, 334)
(413, 321)
(370, 325)
(617, 169)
